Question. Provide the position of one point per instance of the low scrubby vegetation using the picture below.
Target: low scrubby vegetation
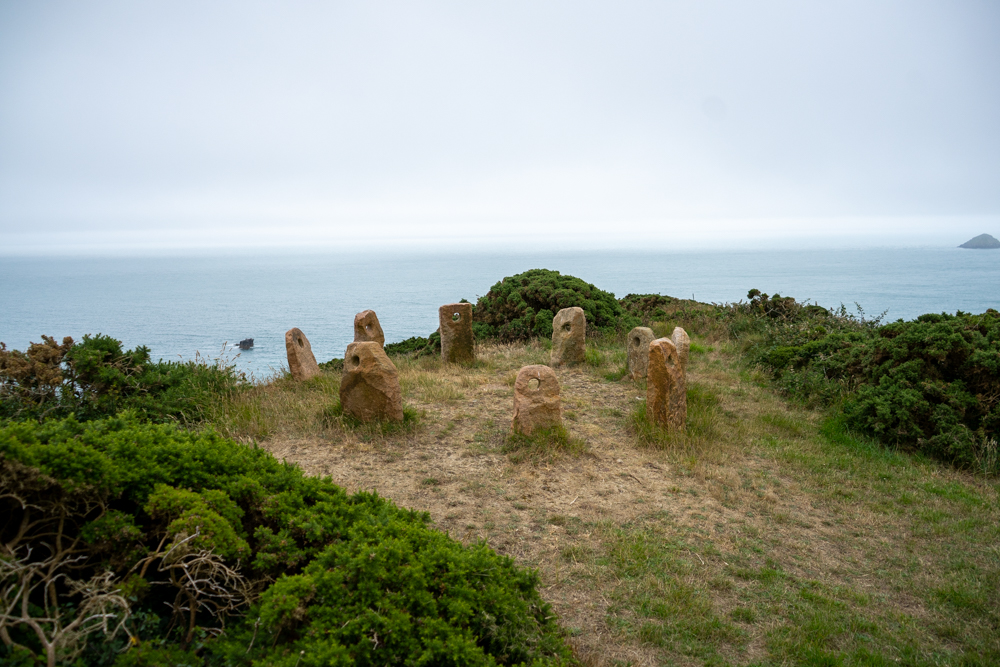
(930, 385)
(193, 549)
(96, 378)
(522, 306)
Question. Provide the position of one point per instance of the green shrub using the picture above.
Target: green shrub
(416, 346)
(521, 306)
(174, 536)
(95, 378)
(931, 384)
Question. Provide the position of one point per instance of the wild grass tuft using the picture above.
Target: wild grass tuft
(333, 416)
(542, 445)
(704, 434)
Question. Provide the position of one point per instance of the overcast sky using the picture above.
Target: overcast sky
(209, 124)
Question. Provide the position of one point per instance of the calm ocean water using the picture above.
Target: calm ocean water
(178, 306)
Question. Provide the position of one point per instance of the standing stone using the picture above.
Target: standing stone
(536, 400)
(638, 351)
(569, 331)
(682, 342)
(301, 361)
(367, 328)
(666, 388)
(369, 385)
(456, 333)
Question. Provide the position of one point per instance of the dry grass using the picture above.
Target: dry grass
(764, 534)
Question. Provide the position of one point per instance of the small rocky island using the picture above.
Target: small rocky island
(981, 242)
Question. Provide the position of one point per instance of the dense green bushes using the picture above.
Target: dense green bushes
(931, 384)
(521, 306)
(193, 549)
(95, 378)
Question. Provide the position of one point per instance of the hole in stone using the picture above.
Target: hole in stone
(635, 341)
(355, 360)
(299, 341)
(533, 384)
(456, 317)
(368, 328)
(567, 326)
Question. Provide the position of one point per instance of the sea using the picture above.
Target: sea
(199, 306)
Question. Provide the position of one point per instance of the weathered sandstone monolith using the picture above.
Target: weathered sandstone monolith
(456, 333)
(638, 351)
(367, 328)
(666, 389)
(682, 342)
(301, 362)
(536, 400)
(569, 331)
(369, 386)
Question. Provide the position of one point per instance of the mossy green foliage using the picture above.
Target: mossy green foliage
(647, 307)
(416, 346)
(521, 306)
(96, 378)
(335, 365)
(930, 384)
(332, 578)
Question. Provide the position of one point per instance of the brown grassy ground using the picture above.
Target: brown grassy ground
(764, 534)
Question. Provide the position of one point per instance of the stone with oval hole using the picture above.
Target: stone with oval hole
(569, 332)
(367, 328)
(369, 385)
(682, 342)
(536, 400)
(638, 351)
(301, 362)
(457, 344)
(666, 387)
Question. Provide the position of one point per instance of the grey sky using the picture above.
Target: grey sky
(206, 124)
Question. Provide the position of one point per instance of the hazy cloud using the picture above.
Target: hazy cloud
(162, 122)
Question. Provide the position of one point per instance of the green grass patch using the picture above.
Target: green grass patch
(334, 416)
(543, 445)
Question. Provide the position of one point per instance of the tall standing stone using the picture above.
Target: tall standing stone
(682, 342)
(569, 336)
(638, 351)
(666, 387)
(369, 385)
(367, 328)
(301, 361)
(536, 400)
(456, 333)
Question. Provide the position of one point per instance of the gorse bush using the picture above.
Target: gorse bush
(521, 306)
(143, 544)
(931, 384)
(95, 378)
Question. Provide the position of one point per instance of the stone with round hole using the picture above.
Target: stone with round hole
(301, 362)
(457, 345)
(369, 384)
(536, 400)
(638, 351)
(666, 386)
(682, 342)
(569, 336)
(367, 328)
